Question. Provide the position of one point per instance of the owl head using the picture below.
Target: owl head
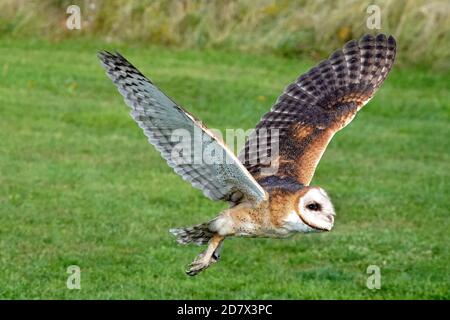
(315, 209)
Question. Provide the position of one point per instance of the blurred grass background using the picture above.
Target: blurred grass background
(80, 185)
(305, 27)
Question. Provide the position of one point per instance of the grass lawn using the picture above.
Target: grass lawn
(80, 185)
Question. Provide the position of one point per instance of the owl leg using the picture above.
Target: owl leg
(216, 254)
(208, 257)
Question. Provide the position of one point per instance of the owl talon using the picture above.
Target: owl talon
(198, 266)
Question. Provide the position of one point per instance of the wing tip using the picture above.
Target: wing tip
(391, 40)
(380, 36)
(106, 56)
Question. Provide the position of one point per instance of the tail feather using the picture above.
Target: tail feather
(199, 234)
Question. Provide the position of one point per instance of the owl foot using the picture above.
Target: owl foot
(200, 263)
(208, 257)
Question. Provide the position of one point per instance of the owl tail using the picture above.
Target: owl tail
(199, 234)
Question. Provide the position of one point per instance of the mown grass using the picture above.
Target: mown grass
(80, 185)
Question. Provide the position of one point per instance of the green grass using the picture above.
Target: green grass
(79, 183)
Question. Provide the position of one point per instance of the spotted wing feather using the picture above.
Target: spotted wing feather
(180, 138)
(313, 108)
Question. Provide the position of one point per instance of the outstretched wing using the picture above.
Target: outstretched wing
(188, 146)
(289, 140)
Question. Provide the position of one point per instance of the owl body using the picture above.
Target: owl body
(281, 216)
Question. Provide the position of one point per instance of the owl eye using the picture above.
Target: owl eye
(313, 206)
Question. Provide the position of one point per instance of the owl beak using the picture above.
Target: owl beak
(320, 222)
(330, 219)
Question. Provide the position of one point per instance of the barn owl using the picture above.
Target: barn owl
(262, 203)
